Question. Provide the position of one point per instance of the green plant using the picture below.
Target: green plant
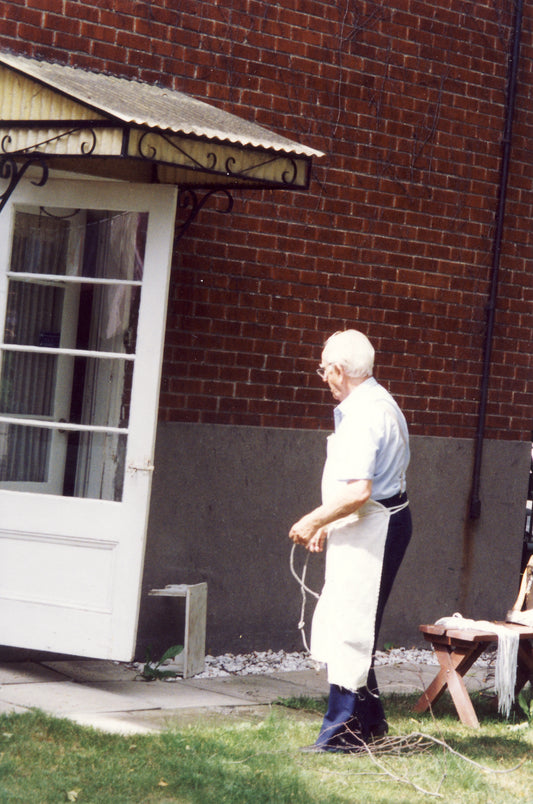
(152, 669)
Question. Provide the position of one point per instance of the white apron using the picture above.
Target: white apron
(342, 634)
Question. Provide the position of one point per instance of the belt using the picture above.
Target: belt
(398, 499)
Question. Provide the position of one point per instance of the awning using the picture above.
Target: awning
(103, 126)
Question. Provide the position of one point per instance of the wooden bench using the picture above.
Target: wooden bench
(457, 650)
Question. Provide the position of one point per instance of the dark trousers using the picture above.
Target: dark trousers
(356, 716)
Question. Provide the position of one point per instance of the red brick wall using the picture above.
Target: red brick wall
(406, 99)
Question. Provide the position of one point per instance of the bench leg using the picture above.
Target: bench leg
(524, 671)
(460, 695)
(454, 664)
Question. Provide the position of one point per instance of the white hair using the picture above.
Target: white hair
(352, 350)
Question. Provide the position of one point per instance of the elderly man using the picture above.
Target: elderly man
(365, 523)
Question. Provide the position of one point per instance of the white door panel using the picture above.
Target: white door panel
(79, 393)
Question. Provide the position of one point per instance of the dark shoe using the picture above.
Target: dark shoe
(353, 744)
(378, 731)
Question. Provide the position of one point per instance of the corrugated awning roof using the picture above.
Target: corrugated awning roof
(102, 125)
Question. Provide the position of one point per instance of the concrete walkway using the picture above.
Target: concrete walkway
(109, 696)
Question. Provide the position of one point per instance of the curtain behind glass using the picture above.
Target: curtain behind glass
(33, 318)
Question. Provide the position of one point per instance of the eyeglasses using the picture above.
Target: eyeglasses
(322, 370)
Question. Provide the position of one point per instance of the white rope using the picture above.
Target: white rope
(397, 508)
(506, 658)
(301, 580)
(305, 591)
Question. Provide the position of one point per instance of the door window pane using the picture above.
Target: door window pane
(101, 392)
(106, 316)
(94, 461)
(27, 384)
(24, 453)
(95, 465)
(33, 314)
(113, 243)
(40, 244)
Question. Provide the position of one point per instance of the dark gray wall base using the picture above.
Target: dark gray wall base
(224, 499)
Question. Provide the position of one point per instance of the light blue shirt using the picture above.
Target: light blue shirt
(370, 442)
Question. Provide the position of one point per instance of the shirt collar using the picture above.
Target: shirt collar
(343, 407)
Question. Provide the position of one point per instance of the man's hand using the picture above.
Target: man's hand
(316, 544)
(311, 531)
(308, 533)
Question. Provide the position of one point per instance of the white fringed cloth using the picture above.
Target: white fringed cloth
(506, 658)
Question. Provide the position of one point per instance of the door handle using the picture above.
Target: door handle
(147, 466)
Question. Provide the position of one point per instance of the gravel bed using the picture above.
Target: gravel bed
(261, 662)
(268, 661)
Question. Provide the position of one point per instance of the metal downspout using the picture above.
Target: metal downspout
(475, 502)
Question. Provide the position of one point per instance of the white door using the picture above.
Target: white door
(84, 270)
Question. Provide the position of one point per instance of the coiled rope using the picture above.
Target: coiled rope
(304, 589)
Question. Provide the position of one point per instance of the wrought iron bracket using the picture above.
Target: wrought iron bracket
(188, 198)
(245, 164)
(11, 172)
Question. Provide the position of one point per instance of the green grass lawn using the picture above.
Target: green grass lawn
(253, 758)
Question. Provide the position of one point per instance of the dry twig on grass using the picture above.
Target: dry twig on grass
(417, 742)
